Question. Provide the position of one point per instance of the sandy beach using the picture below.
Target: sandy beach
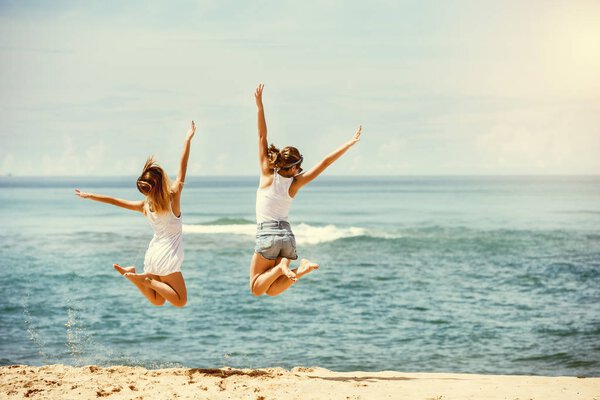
(120, 382)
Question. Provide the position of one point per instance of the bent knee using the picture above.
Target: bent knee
(158, 302)
(253, 290)
(181, 302)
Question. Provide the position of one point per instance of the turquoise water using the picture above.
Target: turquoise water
(483, 275)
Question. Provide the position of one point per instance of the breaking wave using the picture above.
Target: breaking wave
(305, 233)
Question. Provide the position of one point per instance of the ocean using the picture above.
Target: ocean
(495, 275)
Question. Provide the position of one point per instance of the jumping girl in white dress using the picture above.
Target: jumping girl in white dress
(162, 279)
(280, 180)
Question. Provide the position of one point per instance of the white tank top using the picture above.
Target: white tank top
(165, 224)
(273, 202)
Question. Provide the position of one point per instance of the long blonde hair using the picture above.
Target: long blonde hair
(154, 183)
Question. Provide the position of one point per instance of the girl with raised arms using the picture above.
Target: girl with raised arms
(162, 279)
(281, 178)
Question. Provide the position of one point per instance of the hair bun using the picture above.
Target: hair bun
(273, 156)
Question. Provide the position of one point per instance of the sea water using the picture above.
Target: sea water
(458, 274)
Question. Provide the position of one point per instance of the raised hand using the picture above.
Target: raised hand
(83, 195)
(356, 136)
(192, 131)
(258, 95)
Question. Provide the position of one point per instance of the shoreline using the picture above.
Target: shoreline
(122, 382)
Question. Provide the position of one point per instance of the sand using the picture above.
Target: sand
(119, 382)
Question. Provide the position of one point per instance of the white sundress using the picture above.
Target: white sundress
(165, 251)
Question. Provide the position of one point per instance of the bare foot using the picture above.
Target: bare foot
(140, 279)
(305, 267)
(123, 270)
(285, 270)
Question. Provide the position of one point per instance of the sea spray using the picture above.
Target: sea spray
(78, 341)
(33, 333)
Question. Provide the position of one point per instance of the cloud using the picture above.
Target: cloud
(76, 160)
(565, 143)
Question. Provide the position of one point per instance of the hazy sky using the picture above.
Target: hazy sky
(441, 87)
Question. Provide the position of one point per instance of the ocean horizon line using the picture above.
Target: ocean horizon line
(329, 176)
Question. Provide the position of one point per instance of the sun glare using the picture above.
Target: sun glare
(576, 52)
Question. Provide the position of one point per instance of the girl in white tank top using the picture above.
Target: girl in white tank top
(273, 202)
(162, 280)
(281, 178)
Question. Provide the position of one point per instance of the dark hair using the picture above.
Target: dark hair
(285, 158)
(154, 184)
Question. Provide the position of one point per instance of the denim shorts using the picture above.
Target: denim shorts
(275, 239)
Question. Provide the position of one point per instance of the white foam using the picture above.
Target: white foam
(305, 233)
(308, 234)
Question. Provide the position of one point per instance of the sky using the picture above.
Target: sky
(441, 88)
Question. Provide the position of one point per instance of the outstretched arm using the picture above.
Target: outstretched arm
(177, 186)
(128, 204)
(303, 179)
(185, 155)
(262, 131)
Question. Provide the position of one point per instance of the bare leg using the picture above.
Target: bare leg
(264, 272)
(283, 283)
(170, 287)
(280, 285)
(150, 294)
